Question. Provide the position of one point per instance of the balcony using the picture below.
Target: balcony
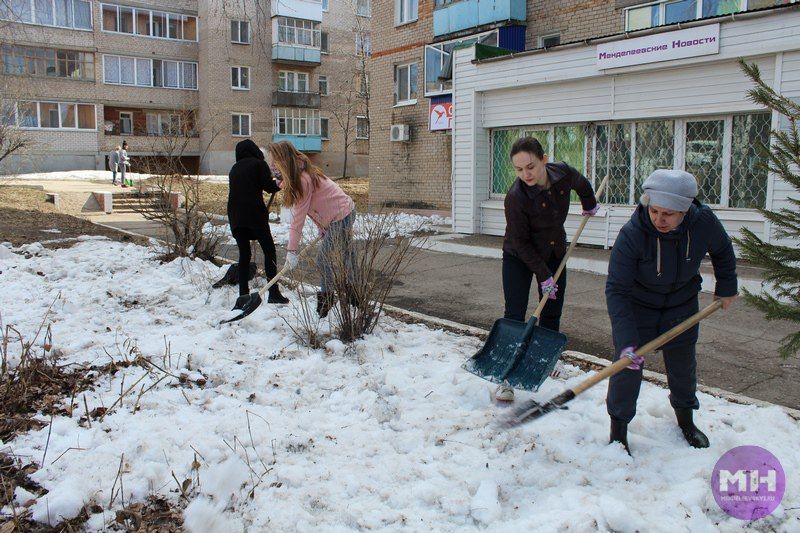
(301, 9)
(300, 55)
(304, 143)
(295, 99)
(465, 14)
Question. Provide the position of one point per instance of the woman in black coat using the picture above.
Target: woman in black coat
(536, 207)
(653, 283)
(248, 216)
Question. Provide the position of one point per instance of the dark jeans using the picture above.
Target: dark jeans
(517, 279)
(243, 237)
(681, 364)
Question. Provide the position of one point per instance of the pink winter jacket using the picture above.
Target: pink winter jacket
(326, 204)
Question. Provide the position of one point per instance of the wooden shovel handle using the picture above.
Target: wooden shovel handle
(598, 193)
(285, 268)
(651, 346)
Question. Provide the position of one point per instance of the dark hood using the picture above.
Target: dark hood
(248, 148)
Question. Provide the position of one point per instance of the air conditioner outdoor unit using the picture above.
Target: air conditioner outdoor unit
(400, 133)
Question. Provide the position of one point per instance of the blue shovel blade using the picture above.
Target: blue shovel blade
(497, 354)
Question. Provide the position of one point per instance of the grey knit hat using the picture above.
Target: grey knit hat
(670, 189)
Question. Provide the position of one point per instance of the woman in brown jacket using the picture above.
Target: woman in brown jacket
(536, 207)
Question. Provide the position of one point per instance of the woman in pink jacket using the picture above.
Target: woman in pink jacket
(310, 193)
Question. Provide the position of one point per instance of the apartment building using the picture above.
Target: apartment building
(418, 159)
(181, 78)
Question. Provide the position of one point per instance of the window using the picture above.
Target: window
(548, 41)
(405, 11)
(672, 11)
(405, 84)
(323, 85)
(168, 124)
(144, 22)
(153, 124)
(240, 125)
(54, 115)
(121, 70)
(323, 129)
(363, 8)
(46, 62)
(74, 14)
(363, 44)
(125, 123)
(324, 5)
(298, 32)
(323, 42)
(293, 82)
(363, 89)
(240, 32)
(296, 121)
(43, 12)
(437, 61)
(362, 128)
(240, 78)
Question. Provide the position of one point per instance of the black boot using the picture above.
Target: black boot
(240, 301)
(619, 433)
(325, 301)
(695, 437)
(275, 296)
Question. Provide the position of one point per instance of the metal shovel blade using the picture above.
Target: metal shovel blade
(251, 305)
(497, 354)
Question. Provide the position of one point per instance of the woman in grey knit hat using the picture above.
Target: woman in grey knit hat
(653, 284)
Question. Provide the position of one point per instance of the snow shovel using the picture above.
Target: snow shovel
(256, 297)
(524, 354)
(532, 409)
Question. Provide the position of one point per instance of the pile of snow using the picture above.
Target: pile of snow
(394, 224)
(387, 433)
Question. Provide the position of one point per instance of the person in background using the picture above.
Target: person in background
(310, 193)
(113, 163)
(248, 216)
(653, 284)
(536, 207)
(124, 163)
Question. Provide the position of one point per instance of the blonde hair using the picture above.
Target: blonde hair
(291, 163)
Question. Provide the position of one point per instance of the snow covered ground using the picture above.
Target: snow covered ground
(93, 175)
(386, 434)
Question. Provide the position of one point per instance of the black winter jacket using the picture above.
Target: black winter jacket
(249, 176)
(654, 278)
(535, 217)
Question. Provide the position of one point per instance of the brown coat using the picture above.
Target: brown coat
(535, 217)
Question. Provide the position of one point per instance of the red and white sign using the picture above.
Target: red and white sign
(441, 116)
(699, 41)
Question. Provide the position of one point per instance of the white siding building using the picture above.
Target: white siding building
(660, 109)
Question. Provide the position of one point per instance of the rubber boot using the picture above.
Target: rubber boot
(695, 437)
(325, 301)
(619, 433)
(240, 301)
(275, 296)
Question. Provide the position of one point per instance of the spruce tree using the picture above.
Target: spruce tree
(781, 262)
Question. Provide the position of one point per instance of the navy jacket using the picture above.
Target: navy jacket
(535, 217)
(249, 176)
(654, 278)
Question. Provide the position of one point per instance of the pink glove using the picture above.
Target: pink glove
(591, 212)
(636, 360)
(549, 288)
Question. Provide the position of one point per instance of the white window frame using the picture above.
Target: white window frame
(239, 69)
(309, 27)
(327, 128)
(405, 12)
(743, 6)
(289, 81)
(409, 101)
(58, 104)
(325, 6)
(150, 82)
(239, 24)
(540, 40)
(32, 21)
(129, 116)
(249, 124)
(167, 16)
(365, 118)
(368, 13)
(327, 38)
(440, 47)
(363, 43)
(327, 86)
(296, 121)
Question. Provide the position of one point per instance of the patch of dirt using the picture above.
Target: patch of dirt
(25, 226)
(26, 198)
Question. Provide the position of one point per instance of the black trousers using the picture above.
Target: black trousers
(243, 237)
(517, 279)
(681, 364)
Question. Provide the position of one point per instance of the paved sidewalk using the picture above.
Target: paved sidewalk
(459, 278)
